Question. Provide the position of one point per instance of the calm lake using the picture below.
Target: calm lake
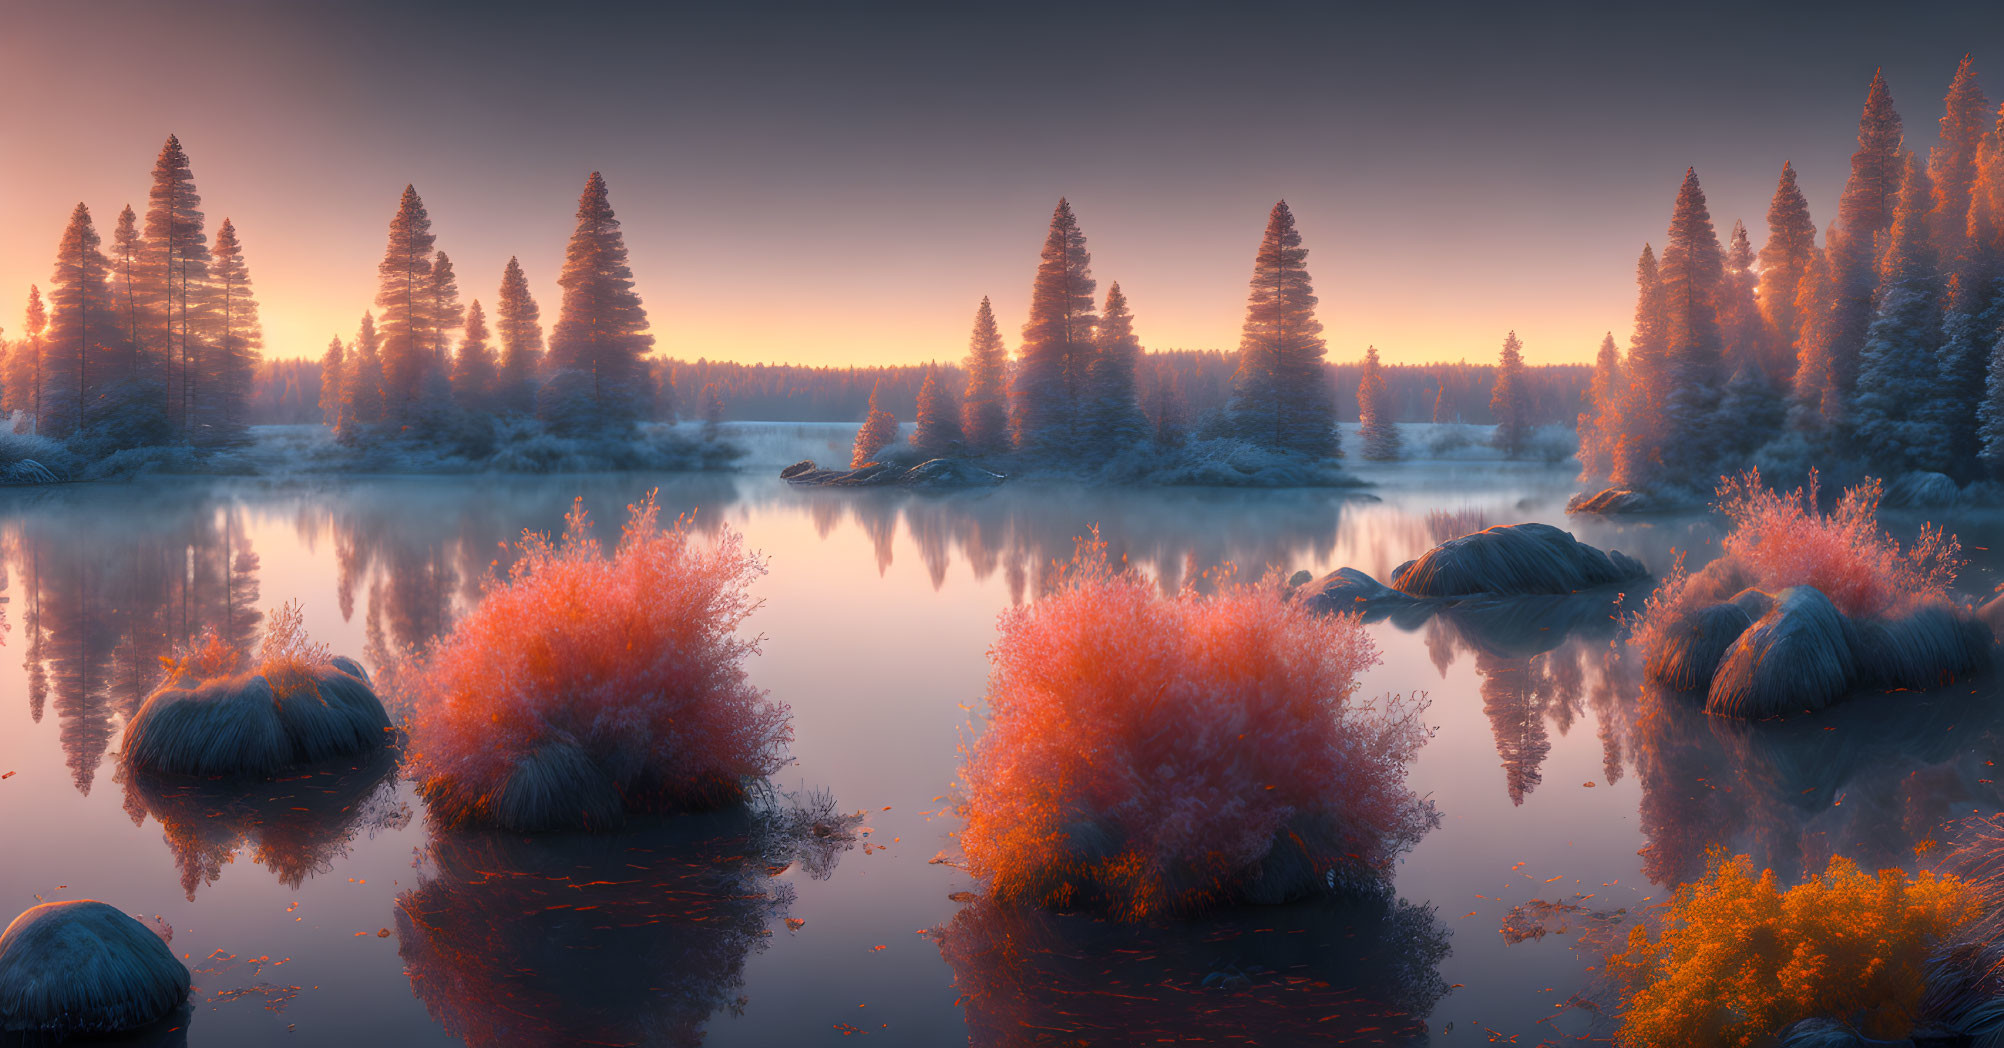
(324, 911)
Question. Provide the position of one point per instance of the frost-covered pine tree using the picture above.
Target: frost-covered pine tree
(80, 322)
(1112, 401)
(473, 371)
(1970, 325)
(938, 429)
(445, 314)
(403, 293)
(1864, 213)
(175, 276)
(1281, 396)
(362, 388)
(1509, 401)
(236, 341)
(1899, 366)
(713, 412)
(1374, 412)
(128, 253)
(1167, 414)
(1817, 408)
(1691, 272)
(24, 361)
(601, 335)
(1743, 332)
(519, 325)
(1951, 167)
(333, 376)
(879, 428)
(1057, 342)
(1599, 424)
(1751, 411)
(1989, 414)
(984, 412)
(1784, 262)
(1638, 459)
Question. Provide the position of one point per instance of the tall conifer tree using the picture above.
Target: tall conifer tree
(403, 293)
(879, 428)
(1784, 260)
(176, 279)
(238, 339)
(601, 334)
(1509, 401)
(1374, 411)
(1637, 448)
(519, 325)
(333, 376)
(984, 411)
(362, 388)
(24, 361)
(128, 259)
(1691, 273)
(938, 429)
(473, 370)
(1863, 213)
(1112, 403)
(1951, 166)
(1898, 367)
(1057, 341)
(1280, 394)
(80, 324)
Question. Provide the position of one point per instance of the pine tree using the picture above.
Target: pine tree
(1112, 403)
(362, 406)
(1972, 316)
(1898, 367)
(127, 262)
(1374, 412)
(1784, 260)
(24, 362)
(984, 412)
(473, 370)
(1509, 402)
(404, 294)
(1280, 393)
(519, 325)
(1864, 212)
(223, 417)
(1817, 407)
(1743, 332)
(176, 278)
(1166, 410)
(1599, 424)
(713, 413)
(80, 322)
(938, 431)
(879, 428)
(1750, 410)
(601, 334)
(1057, 342)
(1691, 273)
(445, 313)
(1440, 413)
(333, 376)
(1638, 458)
(1951, 166)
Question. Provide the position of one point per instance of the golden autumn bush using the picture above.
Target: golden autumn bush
(1147, 754)
(1736, 959)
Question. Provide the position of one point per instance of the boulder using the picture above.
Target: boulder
(939, 474)
(82, 967)
(1610, 501)
(1921, 490)
(1511, 560)
(1690, 651)
(1801, 655)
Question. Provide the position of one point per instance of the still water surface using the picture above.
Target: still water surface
(324, 911)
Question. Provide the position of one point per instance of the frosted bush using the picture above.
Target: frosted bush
(589, 684)
(1149, 754)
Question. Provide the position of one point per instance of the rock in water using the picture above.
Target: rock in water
(939, 474)
(1690, 653)
(1513, 559)
(1921, 490)
(1610, 501)
(83, 967)
(1801, 655)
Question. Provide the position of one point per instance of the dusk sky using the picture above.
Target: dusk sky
(841, 183)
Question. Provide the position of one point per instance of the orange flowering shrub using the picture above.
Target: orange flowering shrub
(1736, 960)
(1146, 754)
(212, 658)
(590, 683)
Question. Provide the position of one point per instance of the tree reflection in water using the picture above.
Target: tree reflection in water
(1360, 970)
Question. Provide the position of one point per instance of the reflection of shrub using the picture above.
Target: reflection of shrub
(1736, 959)
(1360, 970)
(588, 685)
(1147, 754)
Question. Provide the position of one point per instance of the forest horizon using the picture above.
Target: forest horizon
(1434, 232)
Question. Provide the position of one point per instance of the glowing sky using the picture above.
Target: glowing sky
(841, 183)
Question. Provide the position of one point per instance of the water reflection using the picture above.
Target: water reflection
(1356, 971)
(635, 937)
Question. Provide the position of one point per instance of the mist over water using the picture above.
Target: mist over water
(329, 907)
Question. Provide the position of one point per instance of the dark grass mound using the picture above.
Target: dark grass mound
(1513, 559)
(296, 825)
(1610, 501)
(1801, 655)
(83, 967)
(1362, 970)
(1691, 649)
(1804, 654)
(931, 475)
(625, 938)
(245, 726)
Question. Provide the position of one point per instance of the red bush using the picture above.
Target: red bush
(630, 660)
(1147, 754)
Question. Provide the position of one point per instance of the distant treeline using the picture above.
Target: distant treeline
(287, 392)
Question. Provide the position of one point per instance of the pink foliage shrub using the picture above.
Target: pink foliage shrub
(1148, 754)
(1782, 539)
(590, 684)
